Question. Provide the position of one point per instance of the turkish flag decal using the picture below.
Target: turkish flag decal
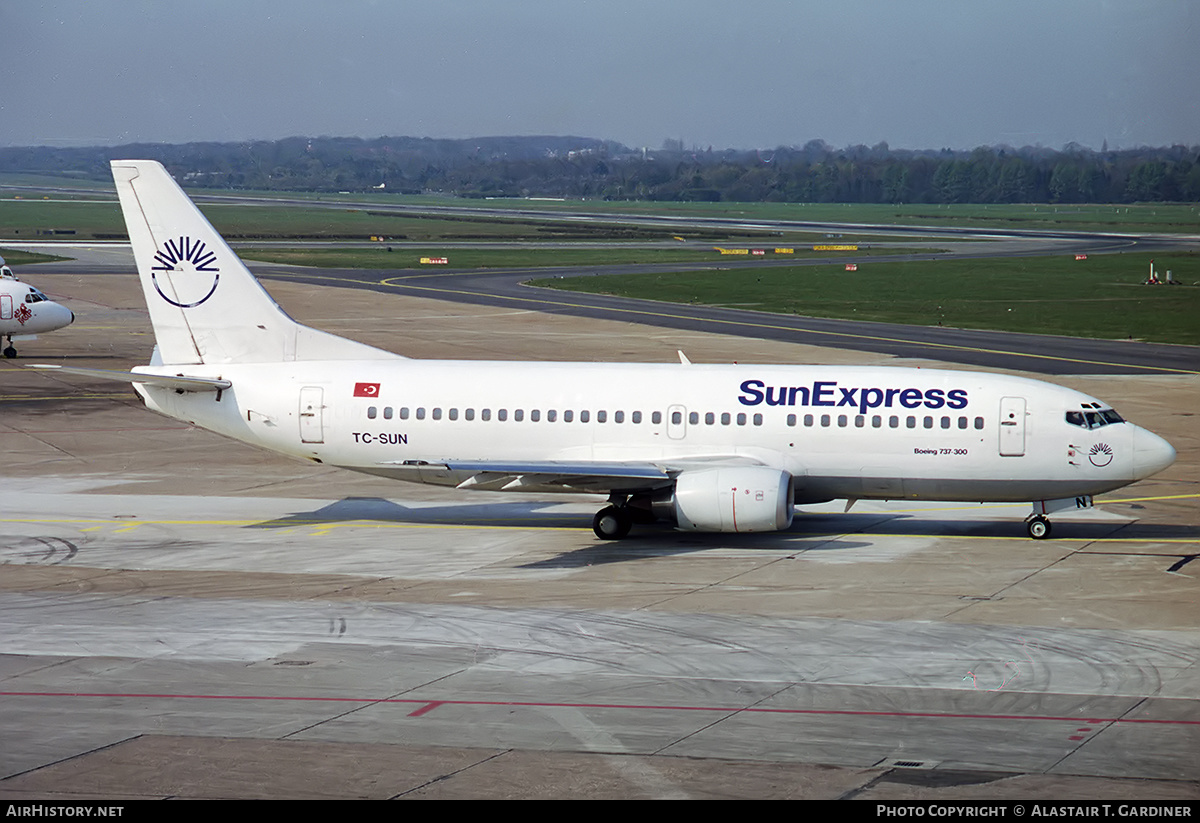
(366, 389)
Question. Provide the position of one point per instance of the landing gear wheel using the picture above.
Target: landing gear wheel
(611, 523)
(1038, 527)
(10, 352)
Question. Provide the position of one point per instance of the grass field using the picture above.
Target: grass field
(101, 219)
(15, 257)
(1099, 297)
(88, 217)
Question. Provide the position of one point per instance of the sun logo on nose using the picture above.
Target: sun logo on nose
(1100, 455)
(188, 275)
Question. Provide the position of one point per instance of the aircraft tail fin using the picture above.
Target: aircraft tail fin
(205, 305)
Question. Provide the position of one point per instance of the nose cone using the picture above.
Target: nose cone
(1151, 454)
(59, 316)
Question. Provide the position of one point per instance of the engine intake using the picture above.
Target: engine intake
(742, 499)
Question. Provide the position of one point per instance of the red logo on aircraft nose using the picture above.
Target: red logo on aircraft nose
(22, 314)
(366, 389)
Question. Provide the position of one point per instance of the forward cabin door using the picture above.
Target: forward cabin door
(312, 427)
(1012, 427)
(6, 305)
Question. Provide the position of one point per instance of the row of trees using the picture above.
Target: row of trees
(580, 167)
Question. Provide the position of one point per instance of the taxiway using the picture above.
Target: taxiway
(184, 617)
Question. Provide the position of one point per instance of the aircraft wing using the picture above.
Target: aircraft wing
(592, 477)
(176, 382)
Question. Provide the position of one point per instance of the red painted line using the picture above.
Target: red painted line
(428, 707)
(432, 704)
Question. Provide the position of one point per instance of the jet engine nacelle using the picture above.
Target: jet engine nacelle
(743, 499)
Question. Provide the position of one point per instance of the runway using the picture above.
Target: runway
(185, 617)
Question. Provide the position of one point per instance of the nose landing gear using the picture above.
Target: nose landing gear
(1037, 526)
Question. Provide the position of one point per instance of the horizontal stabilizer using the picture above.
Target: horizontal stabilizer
(177, 382)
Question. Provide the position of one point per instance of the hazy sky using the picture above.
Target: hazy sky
(739, 74)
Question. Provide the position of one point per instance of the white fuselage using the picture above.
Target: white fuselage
(26, 311)
(841, 432)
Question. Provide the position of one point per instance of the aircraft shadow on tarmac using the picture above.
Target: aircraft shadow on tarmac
(523, 514)
(811, 531)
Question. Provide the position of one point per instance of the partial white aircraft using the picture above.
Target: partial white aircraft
(25, 312)
(720, 448)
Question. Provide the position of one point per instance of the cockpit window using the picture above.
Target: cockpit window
(1093, 419)
(35, 296)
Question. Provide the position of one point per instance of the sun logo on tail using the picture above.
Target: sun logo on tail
(190, 278)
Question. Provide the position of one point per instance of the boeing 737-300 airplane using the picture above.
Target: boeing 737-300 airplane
(721, 448)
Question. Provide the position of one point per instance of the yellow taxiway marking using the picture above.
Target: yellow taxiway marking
(8, 398)
(1144, 499)
(965, 507)
(320, 528)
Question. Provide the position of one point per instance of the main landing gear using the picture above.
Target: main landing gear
(1037, 526)
(612, 522)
